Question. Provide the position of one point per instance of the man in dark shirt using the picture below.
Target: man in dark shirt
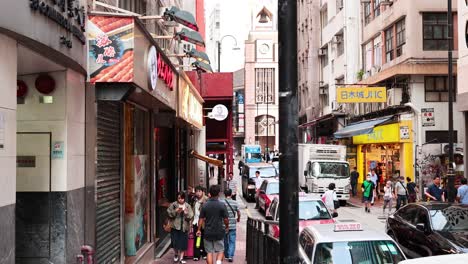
(434, 192)
(354, 181)
(215, 218)
(412, 190)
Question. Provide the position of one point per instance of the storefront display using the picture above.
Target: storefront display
(388, 150)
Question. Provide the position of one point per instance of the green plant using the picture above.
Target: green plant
(360, 74)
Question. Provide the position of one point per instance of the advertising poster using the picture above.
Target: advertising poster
(136, 223)
(110, 43)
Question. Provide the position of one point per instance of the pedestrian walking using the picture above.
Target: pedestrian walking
(329, 199)
(234, 217)
(232, 184)
(388, 197)
(462, 193)
(200, 199)
(434, 191)
(180, 214)
(211, 170)
(258, 182)
(401, 192)
(412, 190)
(212, 216)
(375, 180)
(354, 181)
(368, 192)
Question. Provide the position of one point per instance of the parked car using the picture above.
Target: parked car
(312, 211)
(452, 259)
(248, 174)
(428, 229)
(267, 192)
(346, 242)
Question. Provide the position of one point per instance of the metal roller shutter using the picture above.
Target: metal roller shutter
(108, 183)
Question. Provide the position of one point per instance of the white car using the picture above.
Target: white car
(347, 242)
(452, 259)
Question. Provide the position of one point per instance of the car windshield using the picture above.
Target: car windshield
(272, 188)
(450, 219)
(254, 156)
(358, 252)
(312, 210)
(265, 172)
(329, 170)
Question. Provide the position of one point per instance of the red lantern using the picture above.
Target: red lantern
(21, 89)
(45, 84)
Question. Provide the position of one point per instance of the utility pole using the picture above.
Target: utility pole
(288, 108)
(451, 168)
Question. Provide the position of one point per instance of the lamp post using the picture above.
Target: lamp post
(417, 169)
(219, 48)
(451, 191)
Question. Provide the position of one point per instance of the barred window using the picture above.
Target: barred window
(435, 32)
(389, 44)
(436, 88)
(265, 85)
(367, 13)
(400, 37)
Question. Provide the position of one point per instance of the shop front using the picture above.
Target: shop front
(133, 87)
(191, 133)
(388, 148)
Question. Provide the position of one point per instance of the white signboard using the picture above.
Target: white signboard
(219, 112)
(152, 67)
(427, 117)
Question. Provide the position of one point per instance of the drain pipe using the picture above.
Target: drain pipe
(418, 150)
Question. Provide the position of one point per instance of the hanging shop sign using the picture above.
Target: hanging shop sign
(361, 94)
(392, 133)
(427, 117)
(68, 14)
(111, 44)
(190, 104)
(219, 112)
(152, 67)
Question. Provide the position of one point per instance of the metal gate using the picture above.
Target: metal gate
(108, 182)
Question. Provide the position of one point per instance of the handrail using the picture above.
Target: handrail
(262, 247)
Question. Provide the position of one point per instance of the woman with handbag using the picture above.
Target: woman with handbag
(180, 214)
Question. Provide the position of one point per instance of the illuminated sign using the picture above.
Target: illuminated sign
(392, 133)
(361, 94)
(165, 72)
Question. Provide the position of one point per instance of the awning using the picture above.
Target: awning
(364, 127)
(204, 158)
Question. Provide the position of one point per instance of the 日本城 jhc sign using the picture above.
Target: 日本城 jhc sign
(361, 94)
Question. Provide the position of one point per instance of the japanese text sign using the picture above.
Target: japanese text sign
(427, 117)
(361, 94)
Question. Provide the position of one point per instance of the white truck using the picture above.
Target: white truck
(320, 165)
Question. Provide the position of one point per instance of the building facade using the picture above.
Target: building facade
(42, 138)
(261, 84)
(462, 65)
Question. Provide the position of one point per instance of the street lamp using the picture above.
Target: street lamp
(417, 169)
(219, 48)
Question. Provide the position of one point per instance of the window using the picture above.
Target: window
(264, 85)
(378, 51)
(436, 88)
(389, 44)
(324, 17)
(136, 6)
(324, 57)
(307, 244)
(435, 32)
(400, 37)
(440, 136)
(367, 13)
(339, 45)
(265, 122)
(376, 8)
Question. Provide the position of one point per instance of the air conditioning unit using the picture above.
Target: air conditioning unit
(394, 96)
(457, 148)
(322, 52)
(386, 2)
(323, 90)
(337, 39)
(375, 69)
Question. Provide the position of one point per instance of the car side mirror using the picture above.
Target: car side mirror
(269, 217)
(421, 227)
(334, 214)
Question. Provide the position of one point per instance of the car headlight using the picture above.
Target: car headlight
(347, 188)
(251, 187)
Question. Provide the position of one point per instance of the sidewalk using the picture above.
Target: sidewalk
(239, 256)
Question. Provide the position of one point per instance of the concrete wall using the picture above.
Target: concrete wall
(8, 152)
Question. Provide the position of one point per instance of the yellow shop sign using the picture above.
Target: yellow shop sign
(392, 133)
(361, 94)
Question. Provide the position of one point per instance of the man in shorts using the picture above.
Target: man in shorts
(215, 218)
(368, 191)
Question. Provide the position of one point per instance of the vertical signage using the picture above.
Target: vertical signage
(427, 116)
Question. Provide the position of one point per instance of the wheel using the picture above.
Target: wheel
(342, 202)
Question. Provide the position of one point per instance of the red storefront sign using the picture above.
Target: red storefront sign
(165, 72)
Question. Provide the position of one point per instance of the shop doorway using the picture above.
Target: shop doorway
(34, 210)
